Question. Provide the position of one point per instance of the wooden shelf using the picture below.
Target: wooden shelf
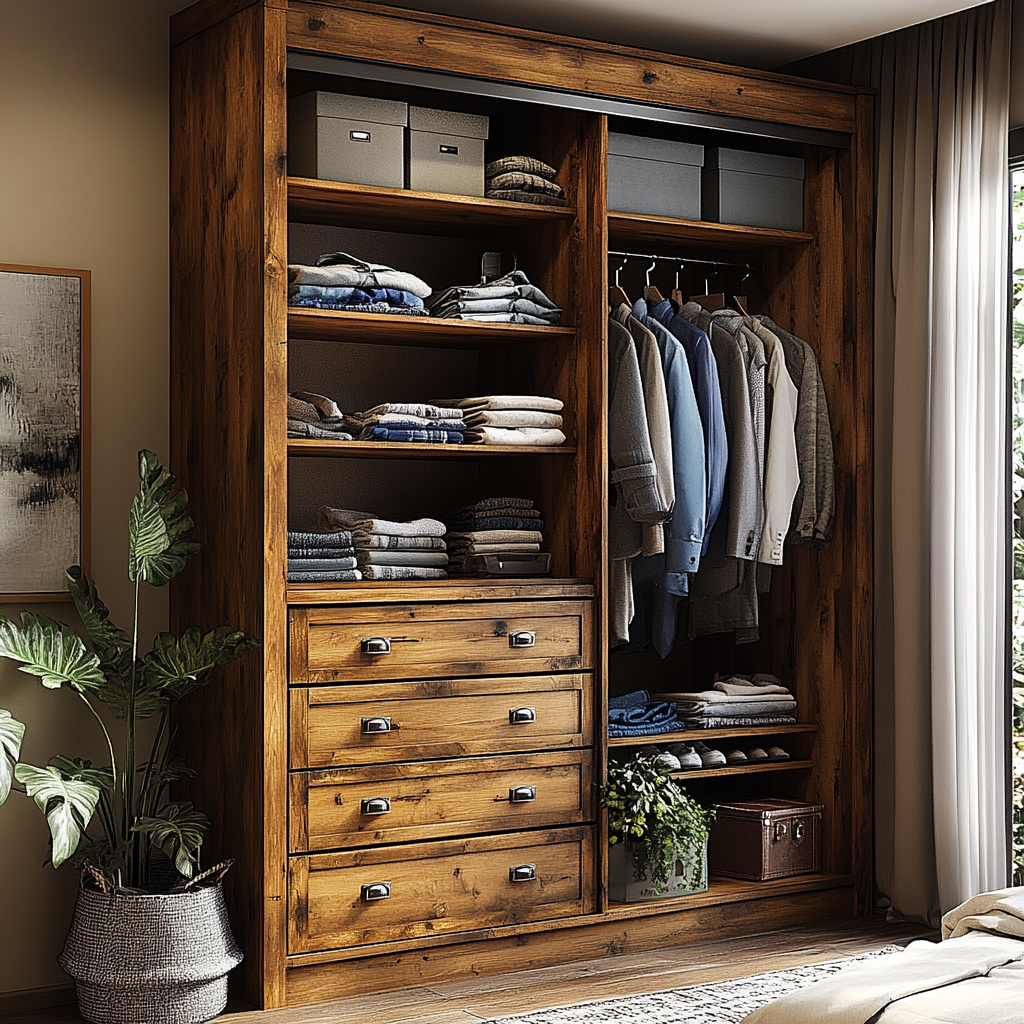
(743, 769)
(534, 588)
(420, 331)
(730, 890)
(638, 230)
(311, 201)
(307, 446)
(688, 735)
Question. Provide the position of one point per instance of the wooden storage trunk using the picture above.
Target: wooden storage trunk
(762, 839)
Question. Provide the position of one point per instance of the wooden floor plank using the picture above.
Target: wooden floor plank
(488, 998)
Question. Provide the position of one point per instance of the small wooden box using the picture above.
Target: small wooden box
(762, 839)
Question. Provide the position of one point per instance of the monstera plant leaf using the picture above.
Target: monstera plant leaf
(78, 769)
(52, 651)
(11, 735)
(177, 829)
(68, 803)
(157, 525)
(178, 667)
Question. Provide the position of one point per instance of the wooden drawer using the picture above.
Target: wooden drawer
(462, 638)
(438, 718)
(397, 803)
(435, 888)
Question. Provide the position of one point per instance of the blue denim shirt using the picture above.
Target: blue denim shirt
(684, 533)
(704, 374)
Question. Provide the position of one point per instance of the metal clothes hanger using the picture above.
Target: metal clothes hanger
(651, 293)
(711, 301)
(616, 293)
(677, 294)
(740, 301)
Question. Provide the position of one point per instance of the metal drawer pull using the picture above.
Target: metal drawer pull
(376, 725)
(522, 794)
(375, 891)
(382, 644)
(520, 716)
(523, 873)
(522, 638)
(781, 830)
(448, 150)
(376, 805)
(798, 831)
(359, 136)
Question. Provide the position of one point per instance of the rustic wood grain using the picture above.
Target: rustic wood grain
(437, 799)
(468, 638)
(228, 195)
(421, 331)
(689, 735)
(436, 888)
(315, 448)
(437, 718)
(452, 589)
(458, 46)
(668, 236)
(311, 201)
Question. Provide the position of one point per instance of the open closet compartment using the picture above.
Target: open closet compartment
(462, 703)
(807, 631)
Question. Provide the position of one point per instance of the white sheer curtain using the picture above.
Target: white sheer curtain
(945, 318)
(940, 420)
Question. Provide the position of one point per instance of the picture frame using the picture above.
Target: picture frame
(45, 319)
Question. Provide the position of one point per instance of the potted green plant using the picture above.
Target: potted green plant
(139, 949)
(658, 835)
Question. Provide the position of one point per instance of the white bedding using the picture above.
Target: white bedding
(974, 976)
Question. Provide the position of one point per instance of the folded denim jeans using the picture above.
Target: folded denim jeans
(339, 269)
(350, 307)
(391, 296)
(617, 729)
(418, 436)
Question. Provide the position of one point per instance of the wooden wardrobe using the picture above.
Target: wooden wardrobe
(477, 883)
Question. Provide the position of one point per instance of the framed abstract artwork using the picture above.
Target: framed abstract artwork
(44, 430)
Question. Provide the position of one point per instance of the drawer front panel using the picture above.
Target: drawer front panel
(393, 893)
(408, 802)
(440, 640)
(331, 725)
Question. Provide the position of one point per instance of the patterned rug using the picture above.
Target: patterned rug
(720, 1002)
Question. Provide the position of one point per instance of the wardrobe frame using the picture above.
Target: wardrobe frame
(229, 334)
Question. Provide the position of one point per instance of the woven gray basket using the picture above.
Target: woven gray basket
(150, 959)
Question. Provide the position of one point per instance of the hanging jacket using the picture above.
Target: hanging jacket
(781, 471)
(813, 519)
(633, 473)
(706, 387)
(684, 535)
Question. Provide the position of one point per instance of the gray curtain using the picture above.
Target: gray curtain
(940, 420)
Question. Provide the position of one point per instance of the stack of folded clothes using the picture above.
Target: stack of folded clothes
(510, 299)
(636, 714)
(312, 415)
(494, 526)
(339, 281)
(509, 419)
(523, 179)
(736, 700)
(387, 550)
(403, 421)
(322, 557)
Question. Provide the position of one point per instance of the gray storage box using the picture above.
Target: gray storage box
(757, 189)
(446, 151)
(654, 176)
(347, 138)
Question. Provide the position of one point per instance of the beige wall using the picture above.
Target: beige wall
(83, 184)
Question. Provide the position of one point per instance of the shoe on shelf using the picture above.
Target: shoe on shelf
(670, 761)
(777, 754)
(757, 754)
(649, 751)
(709, 757)
(735, 757)
(688, 757)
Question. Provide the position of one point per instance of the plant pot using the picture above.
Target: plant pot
(690, 875)
(150, 959)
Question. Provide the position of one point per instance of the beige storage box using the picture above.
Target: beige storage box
(446, 151)
(357, 139)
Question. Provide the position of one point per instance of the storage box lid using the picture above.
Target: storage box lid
(642, 148)
(352, 108)
(720, 159)
(768, 809)
(449, 122)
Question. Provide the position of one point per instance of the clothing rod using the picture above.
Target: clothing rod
(752, 267)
